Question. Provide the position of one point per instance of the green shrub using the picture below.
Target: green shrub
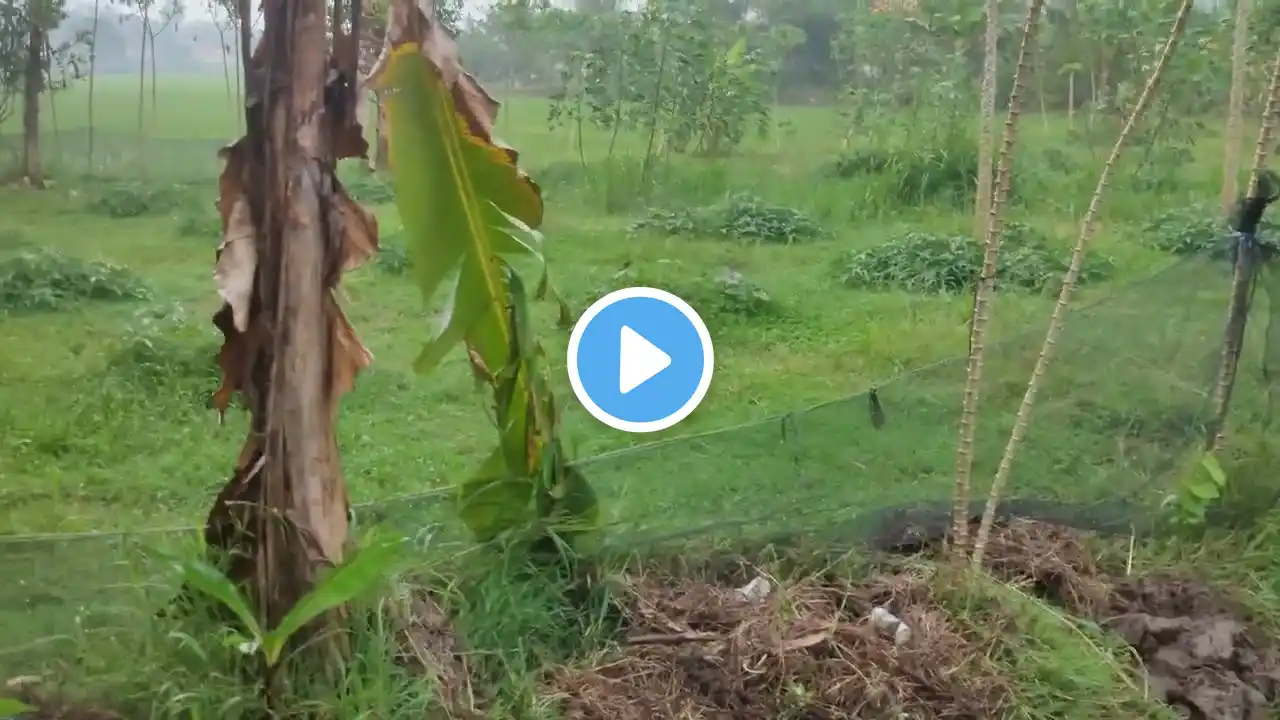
(739, 217)
(128, 200)
(1198, 230)
(930, 264)
(49, 280)
(728, 292)
(725, 295)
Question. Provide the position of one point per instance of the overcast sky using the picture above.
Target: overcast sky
(199, 9)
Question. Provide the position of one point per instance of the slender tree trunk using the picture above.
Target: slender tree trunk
(226, 65)
(154, 103)
(987, 121)
(238, 68)
(984, 290)
(33, 83)
(1242, 276)
(93, 72)
(142, 97)
(1023, 418)
(1235, 107)
(53, 100)
(1071, 99)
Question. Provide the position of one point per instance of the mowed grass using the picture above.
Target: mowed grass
(105, 422)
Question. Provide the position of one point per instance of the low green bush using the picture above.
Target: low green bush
(932, 264)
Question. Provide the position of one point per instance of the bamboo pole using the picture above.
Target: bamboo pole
(1242, 276)
(1023, 418)
(987, 120)
(985, 289)
(1235, 106)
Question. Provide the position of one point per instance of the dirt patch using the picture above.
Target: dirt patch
(1201, 655)
(816, 650)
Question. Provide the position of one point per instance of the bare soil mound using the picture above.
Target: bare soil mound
(1201, 654)
(814, 649)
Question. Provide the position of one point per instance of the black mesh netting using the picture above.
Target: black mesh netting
(1127, 398)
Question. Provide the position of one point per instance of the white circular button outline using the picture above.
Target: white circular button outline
(704, 337)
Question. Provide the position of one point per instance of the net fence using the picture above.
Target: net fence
(1128, 398)
(112, 156)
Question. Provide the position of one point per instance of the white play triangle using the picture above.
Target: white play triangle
(638, 361)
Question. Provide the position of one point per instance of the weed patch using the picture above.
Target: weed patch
(941, 175)
(725, 295)
(366, 188)
(121, 200)
(393, 256)
(49, 280)
(200, 225)
(929, 264)
(1199, 231)
(738, 217)
(160, 351)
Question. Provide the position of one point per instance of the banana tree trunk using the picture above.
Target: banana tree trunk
(289, 233)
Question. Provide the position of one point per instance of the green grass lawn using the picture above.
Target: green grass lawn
(104, 421)
(122, 438)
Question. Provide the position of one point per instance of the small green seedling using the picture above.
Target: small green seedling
(1197, 489)
(343, 584)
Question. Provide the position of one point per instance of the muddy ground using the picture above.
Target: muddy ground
(737, 645)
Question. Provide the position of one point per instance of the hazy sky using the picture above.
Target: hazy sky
(199, 10)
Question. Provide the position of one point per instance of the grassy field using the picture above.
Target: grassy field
(92, 459)
(103, 405)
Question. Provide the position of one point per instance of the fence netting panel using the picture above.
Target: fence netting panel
(121, 157)
(1127, 398)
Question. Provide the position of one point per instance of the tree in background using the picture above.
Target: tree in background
(30, 66)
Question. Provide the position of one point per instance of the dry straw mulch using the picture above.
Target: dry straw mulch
(807, 650)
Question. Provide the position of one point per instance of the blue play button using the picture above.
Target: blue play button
(640, 360)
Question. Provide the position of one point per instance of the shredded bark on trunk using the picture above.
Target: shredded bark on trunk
(290, 231)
